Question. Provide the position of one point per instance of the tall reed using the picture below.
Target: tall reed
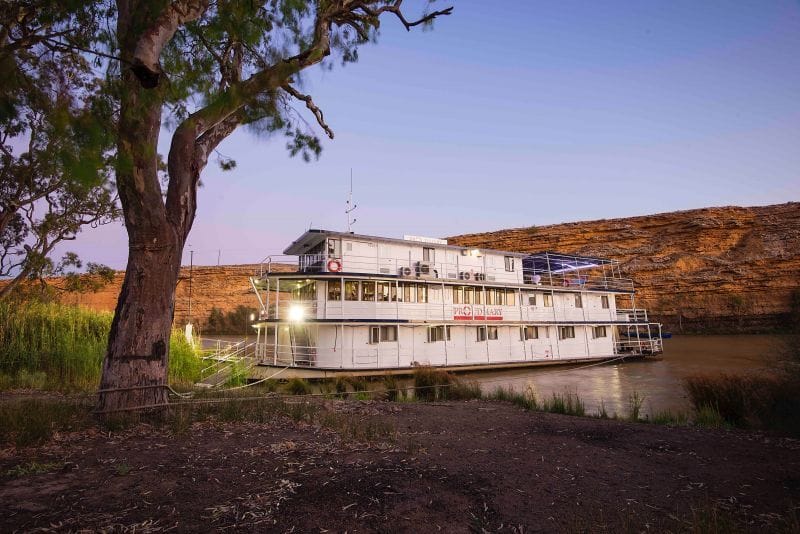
(52, 346)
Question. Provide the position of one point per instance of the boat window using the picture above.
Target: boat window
(388, 333)
(334, 290)
(447, 332)
(492, 332)
(437, 333)
(393, 292)
(566, 332)
(511, 297)
(599, 331)
(532, 299)
(374, 334)
(481, 333)
(467, 295)
(434, 294)
(407, 292)
(335, 247)
(304, 291)
(478, 295)
(428, 254)
(383, 292)
(458, 295)
(422, 293)
(351, 289)
(578, 301)
(547, 300)
(528, 332)
(489, 295)
(604, 301)
(368, 291)
(509, 263)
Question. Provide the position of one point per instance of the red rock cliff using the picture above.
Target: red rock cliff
(713, 269)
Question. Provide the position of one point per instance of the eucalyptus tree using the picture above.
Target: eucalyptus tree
(207, 67)
(56, 134)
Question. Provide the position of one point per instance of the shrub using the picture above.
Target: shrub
(429, 383)
(767, 402)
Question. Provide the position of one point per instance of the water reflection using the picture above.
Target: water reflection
(659, 381)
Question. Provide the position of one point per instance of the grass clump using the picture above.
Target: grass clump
(566, 404)
(32, 468)
(760, 401)
(297, 386)
(525, 400)
(46, 345)
(430, 384)
(33, 421)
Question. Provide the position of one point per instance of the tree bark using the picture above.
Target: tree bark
(135, 367)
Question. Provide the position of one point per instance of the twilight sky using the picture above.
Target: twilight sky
(521, 113)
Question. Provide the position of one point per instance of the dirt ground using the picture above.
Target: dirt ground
(469, 466)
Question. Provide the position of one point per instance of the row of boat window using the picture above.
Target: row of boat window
(371, 291)
(381, 334)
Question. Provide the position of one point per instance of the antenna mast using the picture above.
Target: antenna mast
(349, 206)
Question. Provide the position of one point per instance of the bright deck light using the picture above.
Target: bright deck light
(296, 313)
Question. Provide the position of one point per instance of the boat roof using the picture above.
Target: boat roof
(557, 262)
(314, 237)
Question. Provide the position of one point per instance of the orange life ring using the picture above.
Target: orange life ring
(334, 266)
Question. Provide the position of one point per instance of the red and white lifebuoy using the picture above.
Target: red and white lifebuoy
(334, 266)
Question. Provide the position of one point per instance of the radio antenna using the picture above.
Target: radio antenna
(349, 206)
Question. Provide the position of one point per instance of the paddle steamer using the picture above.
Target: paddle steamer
(358, 304)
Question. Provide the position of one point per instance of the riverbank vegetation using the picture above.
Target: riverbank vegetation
(765, 401)
(50, 346)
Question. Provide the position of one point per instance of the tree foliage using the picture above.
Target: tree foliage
(56, 135)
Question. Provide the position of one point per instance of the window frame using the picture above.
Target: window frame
(604, 302)
(337, 293)
(509, 263)
(492, 333)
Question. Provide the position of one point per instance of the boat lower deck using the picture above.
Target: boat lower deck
(266, 371)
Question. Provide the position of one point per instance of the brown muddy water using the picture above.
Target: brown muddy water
(659, 381)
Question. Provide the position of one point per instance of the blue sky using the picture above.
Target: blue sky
(522, 113)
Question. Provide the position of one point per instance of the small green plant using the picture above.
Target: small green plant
(709, 417)
(526, 401)
(392, 388)
(666, 417)
(566, 404)
(341, 387)
(635, 402)
(123, 469)
(297, 386)
(32, 468)
(601, 411)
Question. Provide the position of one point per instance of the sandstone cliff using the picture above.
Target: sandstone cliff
(713, 269)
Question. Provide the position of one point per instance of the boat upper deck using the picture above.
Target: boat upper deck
(427, 259)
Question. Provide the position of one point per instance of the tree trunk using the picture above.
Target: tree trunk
(136, 362)
(135, 367)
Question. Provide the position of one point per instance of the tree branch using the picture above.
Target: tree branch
(151, 42)
(310, 105)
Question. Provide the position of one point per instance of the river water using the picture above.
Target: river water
(659, 380)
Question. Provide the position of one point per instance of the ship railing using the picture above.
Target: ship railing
(290, 355)
(632, 315)
(639, 347)
(319, 263)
